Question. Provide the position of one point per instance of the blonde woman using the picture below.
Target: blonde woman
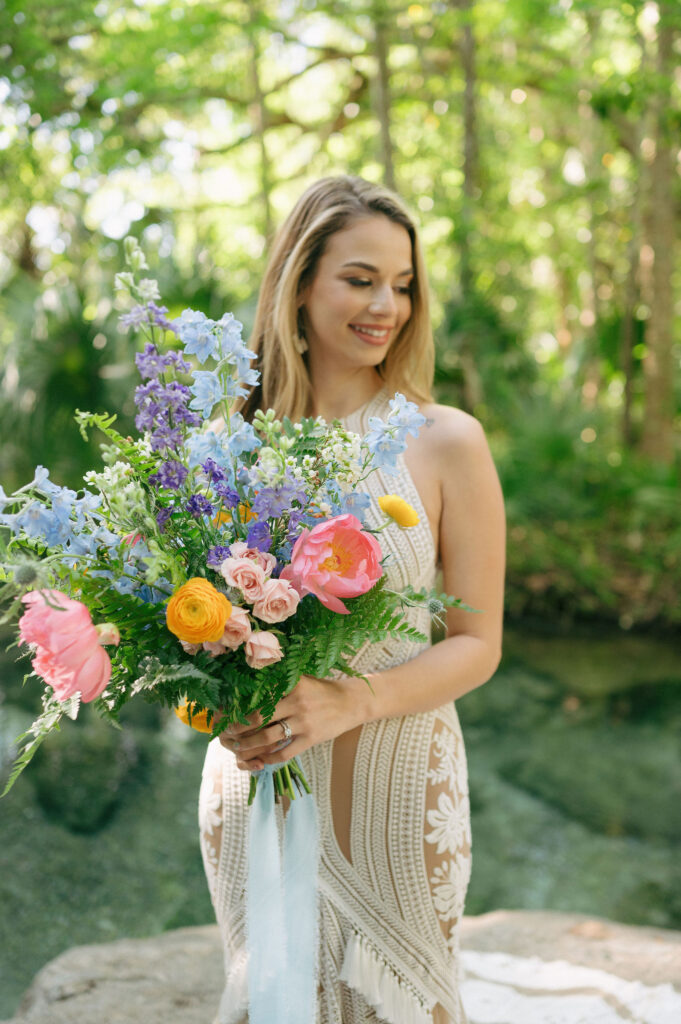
(342, 324)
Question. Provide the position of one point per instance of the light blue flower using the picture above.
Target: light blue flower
(207, 390)
(405, 416)
(201, 445)
(230, 339)
(243, 437)
(37, 520)
(384, 447)
(41, 481)
(233, 389)
(357, 503)
(197, 333)
(4, 500)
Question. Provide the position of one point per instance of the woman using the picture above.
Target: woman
(342, 324)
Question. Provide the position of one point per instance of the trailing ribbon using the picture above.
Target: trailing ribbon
(281, 909)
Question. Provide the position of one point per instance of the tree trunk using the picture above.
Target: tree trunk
(470, 141)
(259, 115)
(472, 381)
(657, 441)
(383, 96)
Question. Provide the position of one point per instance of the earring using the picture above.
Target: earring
(300, 343)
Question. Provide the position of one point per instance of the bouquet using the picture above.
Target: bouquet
(210, 562)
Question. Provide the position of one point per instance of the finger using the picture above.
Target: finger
(253, 722)
(250, 766)
(264, 741)
(297, 746)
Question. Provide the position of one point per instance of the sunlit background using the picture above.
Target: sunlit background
(538, 145)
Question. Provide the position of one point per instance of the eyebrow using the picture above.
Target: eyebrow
(368, 266)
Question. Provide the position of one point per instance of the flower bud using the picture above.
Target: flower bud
(108, 633)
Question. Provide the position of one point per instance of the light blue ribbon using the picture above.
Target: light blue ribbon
(281, 909)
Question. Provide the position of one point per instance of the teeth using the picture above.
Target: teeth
(371, 332)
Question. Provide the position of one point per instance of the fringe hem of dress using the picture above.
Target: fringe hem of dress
(392, 997)
(234, 1002)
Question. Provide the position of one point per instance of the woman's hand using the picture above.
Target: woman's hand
(315, 710)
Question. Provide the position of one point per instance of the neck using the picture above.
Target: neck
(336, 394)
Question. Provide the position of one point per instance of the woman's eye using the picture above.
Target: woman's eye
(358, 283)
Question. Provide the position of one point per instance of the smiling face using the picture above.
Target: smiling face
(360, 297)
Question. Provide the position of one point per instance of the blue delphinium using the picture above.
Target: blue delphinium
(216, 555)
(198, 505)
(384, 447)
(171, 474)
(198, 334)
(207, 390)
(405, 416)
(243, 437)
(207, 444)
(356, 504)
(259, 536)
(230, 498)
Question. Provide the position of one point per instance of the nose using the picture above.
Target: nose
(383, 301)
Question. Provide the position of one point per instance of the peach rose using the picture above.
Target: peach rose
(278, 600)
(244, 574)
(263, 649)
(237, 629)
(190, 648)
(214, 648)
(264, 559)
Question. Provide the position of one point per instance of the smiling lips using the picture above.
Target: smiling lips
(370, 333)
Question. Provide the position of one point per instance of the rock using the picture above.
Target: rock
(520, 960)
(175, 977)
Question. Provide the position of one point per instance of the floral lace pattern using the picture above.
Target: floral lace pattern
(448, 830)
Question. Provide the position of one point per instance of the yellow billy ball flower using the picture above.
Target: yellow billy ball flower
(198, 721)
(399, 510)
(198, 612)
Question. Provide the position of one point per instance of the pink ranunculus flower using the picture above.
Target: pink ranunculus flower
(335, 559)
(244, 574)
(278, 601)
(263, 649)
(266, 561)
(68, 651)
(237, 628)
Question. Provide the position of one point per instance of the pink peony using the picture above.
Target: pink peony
(244, 574)
(334, 560)
(264, 559)
(237, 628)
(263, 649)
(278, 600)
(68, 651)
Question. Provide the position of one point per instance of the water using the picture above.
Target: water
(575, 786)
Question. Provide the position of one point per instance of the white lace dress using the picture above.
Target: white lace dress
(395, 834)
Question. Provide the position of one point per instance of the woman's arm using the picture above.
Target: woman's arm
(472, 554)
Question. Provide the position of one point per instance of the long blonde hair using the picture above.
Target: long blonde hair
(328, 206)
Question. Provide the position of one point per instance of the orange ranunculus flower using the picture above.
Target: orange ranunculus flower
(399, 510)
(221, 518)
(198, 721)
(198, 612)
(245, 513)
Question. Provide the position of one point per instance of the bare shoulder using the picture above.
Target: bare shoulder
(454, 434)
